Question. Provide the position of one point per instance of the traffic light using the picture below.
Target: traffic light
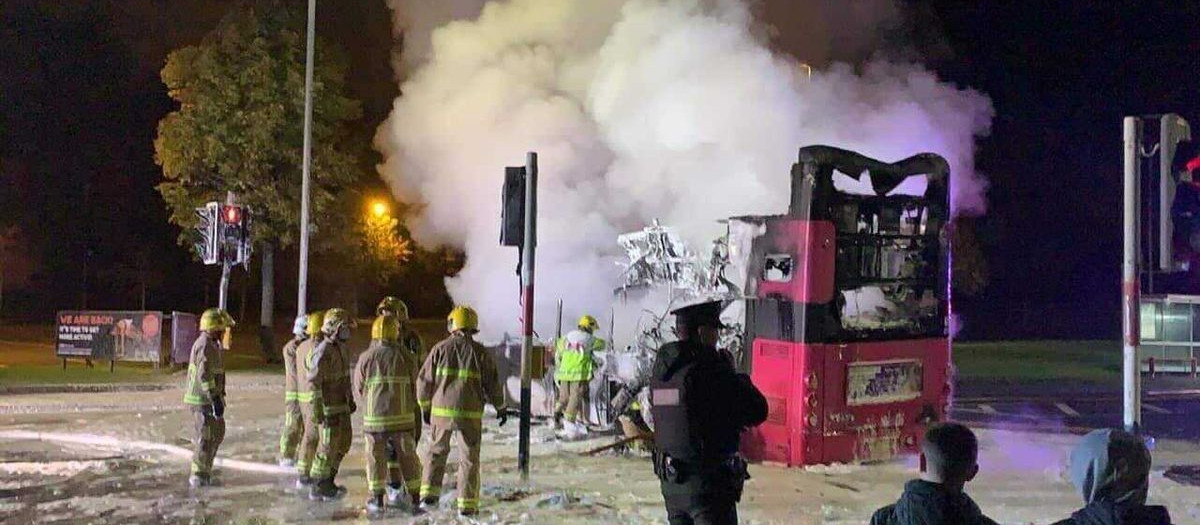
(223, 234)
(234, 234)
(512, 207)
(207, 226)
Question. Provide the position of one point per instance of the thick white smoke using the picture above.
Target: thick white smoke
(639, 109)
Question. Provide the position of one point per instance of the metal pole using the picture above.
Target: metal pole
(527, 261)
(1130, 286)
(224, 290)
(302, 284)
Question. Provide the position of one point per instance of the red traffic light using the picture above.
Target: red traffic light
(232, 214)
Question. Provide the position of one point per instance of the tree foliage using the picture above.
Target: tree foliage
(239, 126)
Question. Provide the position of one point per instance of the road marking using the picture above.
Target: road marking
(987, 409)
(1155, 409)
(1066, 409)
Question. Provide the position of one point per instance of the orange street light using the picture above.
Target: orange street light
(379, 209)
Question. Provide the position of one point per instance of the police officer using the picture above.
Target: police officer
(205, 393)
(700, 405)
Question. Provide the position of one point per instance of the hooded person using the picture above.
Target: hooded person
(1111, 470)
(949, 453)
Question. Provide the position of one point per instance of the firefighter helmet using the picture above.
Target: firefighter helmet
(462, 318)
(300, 326)
(386, 327)
(335, 319)
(395, 306)
(588, 324)
(315, 320)
(215, 319)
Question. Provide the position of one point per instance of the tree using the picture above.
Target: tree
(239, 128)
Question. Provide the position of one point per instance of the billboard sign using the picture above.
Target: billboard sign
(115, 335)
(185, 328)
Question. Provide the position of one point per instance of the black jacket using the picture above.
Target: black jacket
(1105, 513)
(925, 503)
(720, 402)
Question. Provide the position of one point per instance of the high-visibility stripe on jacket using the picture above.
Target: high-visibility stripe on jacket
(304, 389)
(329, 377)
(206, 371)
(385, 378)
(573, 355)
(290, 391)
(456, 380)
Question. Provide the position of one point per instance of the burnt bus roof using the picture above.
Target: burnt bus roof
(812, 176)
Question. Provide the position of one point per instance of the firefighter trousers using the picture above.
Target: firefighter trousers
(293, 430)
(335, 443)
(210, 432)
(307, 452)
(467, 447)
(392, 460)
(571, 395)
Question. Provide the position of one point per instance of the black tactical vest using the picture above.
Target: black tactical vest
(674, 433)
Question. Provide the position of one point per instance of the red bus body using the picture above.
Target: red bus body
(843, 382)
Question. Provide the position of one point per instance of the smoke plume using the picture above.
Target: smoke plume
(638, 109)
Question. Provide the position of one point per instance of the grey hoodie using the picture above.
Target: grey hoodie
(1111, 470)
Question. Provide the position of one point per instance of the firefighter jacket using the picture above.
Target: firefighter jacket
(290, 389)
(329, 378)
(385, 378)
(456, 380)
(304, 390)
(574, 354)
(206, 371)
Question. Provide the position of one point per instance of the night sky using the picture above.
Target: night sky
(80, 100)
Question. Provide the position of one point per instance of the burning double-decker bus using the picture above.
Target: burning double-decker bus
(847, 308)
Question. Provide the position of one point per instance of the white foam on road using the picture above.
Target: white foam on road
(144, 446)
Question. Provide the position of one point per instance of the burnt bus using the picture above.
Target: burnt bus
(847, 308)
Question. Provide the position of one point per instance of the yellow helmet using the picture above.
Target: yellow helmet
(315, 321)
(335, 319)
(215, 319)
(588, 323)
(393, 305)
(462, 318)
(386, 327)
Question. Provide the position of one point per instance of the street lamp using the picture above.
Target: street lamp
(379, 209)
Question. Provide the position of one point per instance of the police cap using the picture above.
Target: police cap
(700, 314)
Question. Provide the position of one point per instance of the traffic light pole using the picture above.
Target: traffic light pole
(1130, 283)
(527, 261)
(302, 281)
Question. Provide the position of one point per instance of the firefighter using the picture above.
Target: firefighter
(454, 383)
(333, 402)
(305, 397)
(385, 380)
(205, 393)
(293, 421)
(574, 355)
(409, 339)
(700, 406)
